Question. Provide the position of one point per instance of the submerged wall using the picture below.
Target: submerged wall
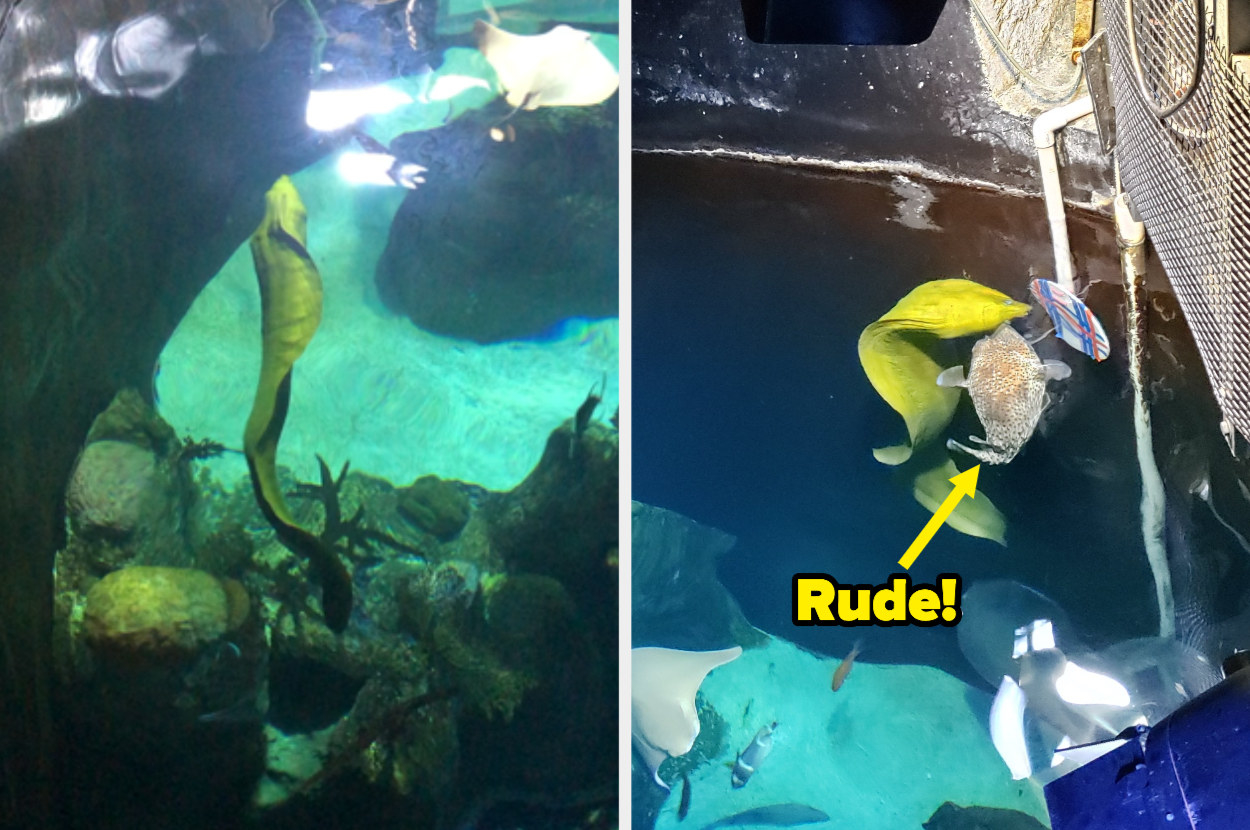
(948, 105)
(112, 221)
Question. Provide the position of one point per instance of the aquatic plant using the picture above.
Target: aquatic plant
(449, 623)
(708, 746)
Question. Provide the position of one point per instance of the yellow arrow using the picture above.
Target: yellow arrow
(965, 485)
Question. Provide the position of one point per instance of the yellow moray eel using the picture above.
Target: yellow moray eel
(892, 351)
(975, 517)
(290, 295)
(892, 354)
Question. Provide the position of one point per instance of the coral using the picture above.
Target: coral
(530, 617)
(707, 746)
(439, 507)
(225, 550)
(479, 676)
(440, 608)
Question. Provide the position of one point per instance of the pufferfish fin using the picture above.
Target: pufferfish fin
(1056, 370)
(954, 376)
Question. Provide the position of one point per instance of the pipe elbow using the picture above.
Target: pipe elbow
(1046, 125)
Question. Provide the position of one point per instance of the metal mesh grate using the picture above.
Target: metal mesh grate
(1189, 176)
(1165, 42)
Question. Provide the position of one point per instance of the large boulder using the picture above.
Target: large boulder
(508, 239)
(145, 615)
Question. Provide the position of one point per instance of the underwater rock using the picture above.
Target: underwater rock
(950, 816)
(290, 760)
(115, 485)
(386, 591)
(508, 239)
(439, 609)
(528, 616)
(129, 418)
(129, 492)
(145, 615)
(437, 506)
(115, 218)
(678, 600)
(442, 590)
(561, 520)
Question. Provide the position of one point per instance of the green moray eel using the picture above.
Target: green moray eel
(892, 352)
(975, 517)
(895, 353)
(290, 294)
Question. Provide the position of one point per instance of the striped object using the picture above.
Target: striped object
(1074, 323)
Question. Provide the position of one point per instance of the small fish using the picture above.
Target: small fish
(843, 671)
(1007, 383)
(156, 376)
(581, 418)
(683, 809)
(749, 759)
(774, 815)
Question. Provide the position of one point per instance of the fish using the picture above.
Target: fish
(749, 759)
(663, 684)
(581, 418)
(559, 68)
(156, 393)
(291, 292)
(1007, 383)
(843, 671)
(974, 517)
(774, 815)
(683, 808)
(893, 353)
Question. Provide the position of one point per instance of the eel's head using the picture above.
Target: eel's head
(954, 308)
(284, 211)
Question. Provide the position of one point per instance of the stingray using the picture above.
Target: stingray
(560, 68)
(664, 682)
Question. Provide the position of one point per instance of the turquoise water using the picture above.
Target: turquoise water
(372, 388)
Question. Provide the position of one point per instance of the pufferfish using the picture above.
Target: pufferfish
(1007, 383)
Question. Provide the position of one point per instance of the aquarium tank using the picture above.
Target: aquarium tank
(940, 500)
(310, 370)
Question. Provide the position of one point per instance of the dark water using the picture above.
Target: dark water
(751, 284)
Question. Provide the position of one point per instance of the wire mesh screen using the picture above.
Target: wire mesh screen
(1165, 42)
(1188, 173)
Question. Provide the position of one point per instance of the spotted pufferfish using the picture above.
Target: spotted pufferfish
(1007, 383)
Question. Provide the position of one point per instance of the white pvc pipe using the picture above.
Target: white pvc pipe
(1045, 127)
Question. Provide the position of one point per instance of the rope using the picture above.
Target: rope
(1153, 503)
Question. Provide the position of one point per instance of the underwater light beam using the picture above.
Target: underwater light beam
(379, 169)
(330, 110)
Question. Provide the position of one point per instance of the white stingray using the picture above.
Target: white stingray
(664, 682)
(559, 68)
